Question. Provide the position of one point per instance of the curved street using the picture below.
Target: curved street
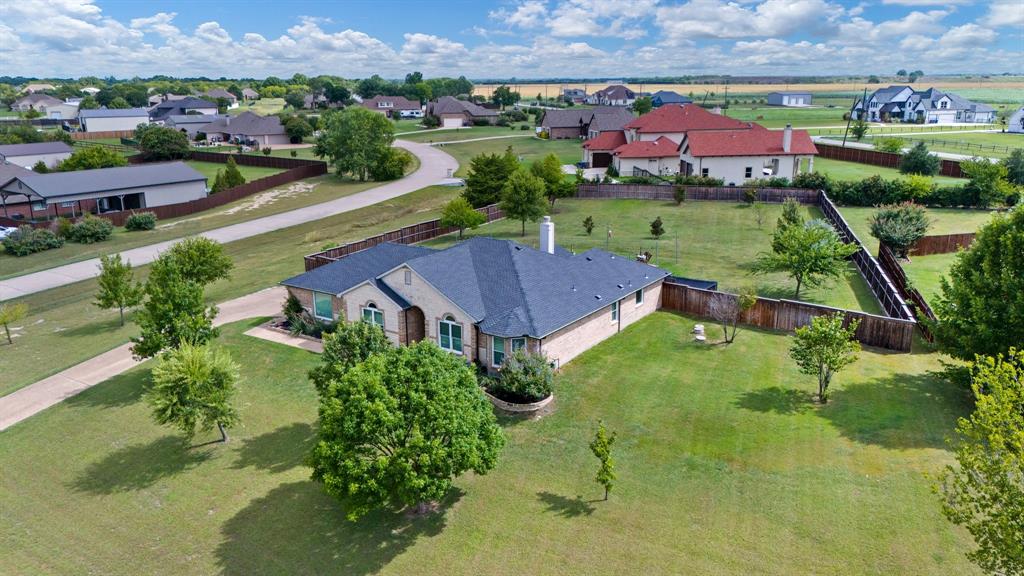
(435, 166)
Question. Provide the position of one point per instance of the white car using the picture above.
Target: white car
(4, 232)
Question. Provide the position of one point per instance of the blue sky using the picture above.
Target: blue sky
(505, 38)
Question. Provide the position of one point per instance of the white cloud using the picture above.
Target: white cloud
(1005, 13)
(528, 14)
(926, 2)
(772, 18)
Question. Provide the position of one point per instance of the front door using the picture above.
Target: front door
(415, 325)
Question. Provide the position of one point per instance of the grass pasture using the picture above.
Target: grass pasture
(707, 240)
(984, 144)
(250, 173)
(527, 149)
(725, 467)
(263, 107)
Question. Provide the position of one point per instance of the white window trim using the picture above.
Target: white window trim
(513, 347)
(494, 349)
(316, 314)
(639, 293)
(616, 309)
(372, 308)
(451, 340)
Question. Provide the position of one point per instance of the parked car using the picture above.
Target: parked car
(4, 232)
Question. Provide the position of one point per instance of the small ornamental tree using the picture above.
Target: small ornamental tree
(193, 387)
(985, 491)
(40, 167)
(399, 427)
(350, 344)
(657, 228)
(790, 214)
(117, 288)
(588, 225)
(459, 214)
(726, 309)
(601, 446)
(522, 198)
(643, 105)
(201, 260)
(860, 128)
(232, 175)
(11, 313)
(900, 226)
(918, 160)
(810, 254)
(981, 301)
(823, 348)
(760, 210)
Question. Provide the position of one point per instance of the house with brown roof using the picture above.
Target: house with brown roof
(247, 128)
(455, 113)
(740, 155)
(214, 93)
(614, 95)
(584, 122)
(250, 94)
(392, 106)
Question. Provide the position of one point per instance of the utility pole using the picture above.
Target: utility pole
(863, 111)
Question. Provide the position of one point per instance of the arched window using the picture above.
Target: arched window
(373, 315)
(450, 334)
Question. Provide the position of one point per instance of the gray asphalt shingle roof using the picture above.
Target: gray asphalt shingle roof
(507, 288)
(102, 180)
(32, 148)
(113, 113)
(246, 124)
(452, 105)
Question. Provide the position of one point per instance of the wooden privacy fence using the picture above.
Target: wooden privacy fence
(103, 134)
(881, 286)
(918, 305)
(406, 235)
(713, 193)
(788, 315)
(877, 158)
(296, 169)
(942, 244)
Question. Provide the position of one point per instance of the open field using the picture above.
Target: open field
(64, 319)
(469, 133)
(527, 149)
(841, 170)
(985, 144)
(982, 90)
(944, 221)
(706, 240)
(209, 169)
(263, 106)
(778, 117)
(725, 467)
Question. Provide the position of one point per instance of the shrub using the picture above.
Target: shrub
(140, 221)
(611, 172)
(481, 122)
(294, 153)
(699, 181)
(919, 161)
(90, 230)
(62, 227)
(28, 240)
(813, 180)
(988, 183)
(392, 166)
(524, 377)
(900, 226)
(524, 127)
(891, 145)
(431, 121)
(267, 151)
(749, 195)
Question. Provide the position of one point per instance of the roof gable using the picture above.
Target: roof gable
(673, 118)
(663, 147)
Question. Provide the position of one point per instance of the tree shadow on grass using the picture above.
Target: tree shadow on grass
(566, 507)
(278, 450)
(116, 392)
(298, 529)
(898, 411)
(776, 399)
(139, 466)
(95, 328)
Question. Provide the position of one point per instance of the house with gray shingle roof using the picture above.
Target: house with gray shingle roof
(247, 128)
(931, 106)
(484, 298)
(584, 122)
(454, 113)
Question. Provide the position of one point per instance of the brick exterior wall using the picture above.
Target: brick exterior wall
(564, 133)
(306, 298)
(394, 317)
(435, 306)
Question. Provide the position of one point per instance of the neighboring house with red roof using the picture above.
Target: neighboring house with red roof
(740, 155)
(597, 152)
(674, 121)
(644, 157)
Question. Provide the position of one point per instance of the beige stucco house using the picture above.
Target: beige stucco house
(485, 298)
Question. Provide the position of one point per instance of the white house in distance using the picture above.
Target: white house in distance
(740, 155)
(105, 120)
(47, 106)
(931, 106)
(27, 155)
(614, 95)
(1016, 122)
(794, 99)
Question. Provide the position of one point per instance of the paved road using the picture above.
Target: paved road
(435, 166)
(37, 397)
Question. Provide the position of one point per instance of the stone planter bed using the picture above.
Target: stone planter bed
(280, 324)
(519, 408)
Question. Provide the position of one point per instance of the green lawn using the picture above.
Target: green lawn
(286, 197)
(779, 116)
(209, 169)
(986, 144)
(841, 170)
(725, 467)
(263, 106)
(925, 272)
(64, 319)
(450, 135)
(527, 149)
(944, 221)
(708, 240)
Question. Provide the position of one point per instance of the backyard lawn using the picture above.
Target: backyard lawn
(725, 466)
(64, 319)
(925, 272)
(209, 169)
(527, 149)
(944, 221)
(841, 170)
(985, 144)
(263, 106)
(451, 135)
(706, 240)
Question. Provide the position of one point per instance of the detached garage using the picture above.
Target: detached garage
(789, 99)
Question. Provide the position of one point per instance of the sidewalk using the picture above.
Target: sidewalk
(435, 166)
(37, 397)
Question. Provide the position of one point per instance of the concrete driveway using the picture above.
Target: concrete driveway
(435, 166)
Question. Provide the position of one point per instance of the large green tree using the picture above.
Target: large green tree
(355, 140)
(460, 214)
(347, 346)
(823, 348)
(487, 176)
(522, 198)
(1014, 164)
(988, 183)
(985, 491)
(810, 254)
(643, 105)
(399, 427)
(91, 158)
(900, 226)
(549, 169)
(981, 303)
(117, 286)
(163, 143)
(193, 387)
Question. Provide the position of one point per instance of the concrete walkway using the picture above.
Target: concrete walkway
(37, 397)
(435, 166)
